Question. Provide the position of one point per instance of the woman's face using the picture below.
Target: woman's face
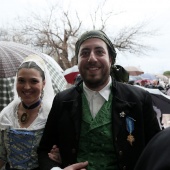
(29, 85)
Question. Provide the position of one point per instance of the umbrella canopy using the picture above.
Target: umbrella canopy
(162, 77)
(133, 71)
(149, 76)
(143, 82)
(11, 56)
(161, 103)
(160, 100)
(135, 78)
(70, 74)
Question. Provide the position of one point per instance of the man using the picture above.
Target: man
(101, 120)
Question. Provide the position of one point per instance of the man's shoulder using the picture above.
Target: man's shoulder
(69, 93)
(130, 87)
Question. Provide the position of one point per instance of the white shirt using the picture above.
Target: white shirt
(97, 98)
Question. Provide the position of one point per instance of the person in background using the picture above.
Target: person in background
(168, 89)
(100, 123)
(156, 154)
(22, 122)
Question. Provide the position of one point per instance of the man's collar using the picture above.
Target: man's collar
(105, 92)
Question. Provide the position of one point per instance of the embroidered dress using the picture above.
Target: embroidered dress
(18, 146)
(99, 153)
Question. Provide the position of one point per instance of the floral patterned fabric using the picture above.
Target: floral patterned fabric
(99, 153)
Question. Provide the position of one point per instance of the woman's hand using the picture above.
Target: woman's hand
(55, 154)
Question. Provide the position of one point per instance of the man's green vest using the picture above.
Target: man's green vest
(96, 141)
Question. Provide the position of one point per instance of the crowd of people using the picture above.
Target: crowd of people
(99, 123)
(163, 86)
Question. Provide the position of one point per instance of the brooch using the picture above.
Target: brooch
(122, 114)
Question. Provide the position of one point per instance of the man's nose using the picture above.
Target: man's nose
(92, 57)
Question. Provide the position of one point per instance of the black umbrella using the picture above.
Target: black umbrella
(160, 100)
(161, 105)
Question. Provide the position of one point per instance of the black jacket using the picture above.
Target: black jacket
(156, 154)
(64, 125)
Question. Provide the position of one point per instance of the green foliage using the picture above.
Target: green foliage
(166, 73)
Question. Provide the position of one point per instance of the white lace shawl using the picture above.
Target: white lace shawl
(9, 117)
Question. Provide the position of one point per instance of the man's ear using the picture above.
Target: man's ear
(111, 60)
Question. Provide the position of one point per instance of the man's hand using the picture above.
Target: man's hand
(77, 166)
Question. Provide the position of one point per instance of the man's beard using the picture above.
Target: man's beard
(94, 83)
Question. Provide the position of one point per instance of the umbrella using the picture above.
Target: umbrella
(11, 56)
(161, 103)
(133, 71)
(135, 78)
(162, 77)
(160, 100)
(149, 76)
(70, 74)
(143, 82)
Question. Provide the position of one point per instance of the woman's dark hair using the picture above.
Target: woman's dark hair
(32, 64)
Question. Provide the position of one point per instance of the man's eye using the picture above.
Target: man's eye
(99, 52)
(84, 53)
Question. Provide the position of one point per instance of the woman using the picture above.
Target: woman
(23, 120)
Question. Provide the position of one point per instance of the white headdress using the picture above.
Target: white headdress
(36, 59)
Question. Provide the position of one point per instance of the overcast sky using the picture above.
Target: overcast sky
(156, 11)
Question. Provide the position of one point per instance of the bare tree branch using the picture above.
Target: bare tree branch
(56, 35)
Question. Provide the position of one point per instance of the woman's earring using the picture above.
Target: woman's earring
(42, 94)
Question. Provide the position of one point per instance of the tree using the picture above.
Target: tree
(130, 39)
(167, 73)
(56, 32)
(51, 36)
(4, 35)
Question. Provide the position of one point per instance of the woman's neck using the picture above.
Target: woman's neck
(32, 105)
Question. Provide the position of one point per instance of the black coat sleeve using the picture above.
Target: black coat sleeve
(48, 140)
